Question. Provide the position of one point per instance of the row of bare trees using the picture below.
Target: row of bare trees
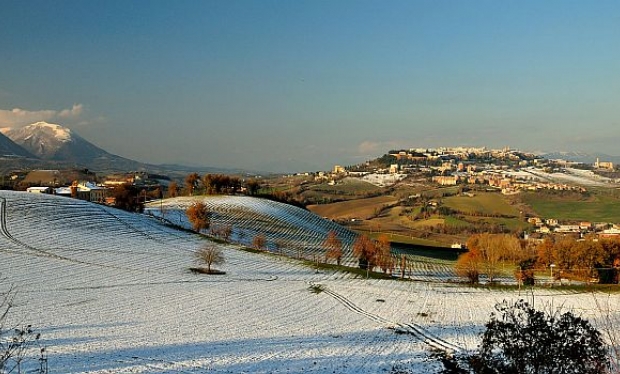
(582, 259)
(579, 258)
(215, 184)
(486, 252)
(369, 253)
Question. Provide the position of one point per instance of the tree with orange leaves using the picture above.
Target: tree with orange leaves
(198, 216)
(468, 266)
(365, 250)
(384, 254)
(333, 247)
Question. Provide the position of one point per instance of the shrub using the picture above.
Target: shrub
(316, 288)
(520, 339)
(17, 344)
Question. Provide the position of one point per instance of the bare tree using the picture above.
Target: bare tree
(259, 241)
(210, 255)
(16, 344)
(608, 325)
(226, 232)
(221, 230)
(198, 216)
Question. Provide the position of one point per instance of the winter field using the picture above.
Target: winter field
(110, 292)
(570, 175)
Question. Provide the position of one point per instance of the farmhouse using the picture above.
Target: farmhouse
(446, 180)
(38, 190)
(568, 228)
(610, 233)
(90, 192)
(86, 191)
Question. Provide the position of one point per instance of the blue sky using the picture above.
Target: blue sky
(302, 85)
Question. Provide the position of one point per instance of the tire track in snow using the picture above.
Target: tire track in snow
(129, 226)
(405, 328)
(7, 234)
(3, 226)
(37, 252)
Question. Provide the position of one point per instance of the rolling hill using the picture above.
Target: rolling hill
(9, 149)
(110, 293)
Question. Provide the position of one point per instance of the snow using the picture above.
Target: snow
(293, 228)
(383, 180)
(573, 176)
(110, 293)
(61, 133)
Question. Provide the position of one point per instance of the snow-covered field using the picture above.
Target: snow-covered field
(300, 233)
(383, 180)
(110, 293)
(571, 176)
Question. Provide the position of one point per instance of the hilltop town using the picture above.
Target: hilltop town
(448, 176)
(508, 170)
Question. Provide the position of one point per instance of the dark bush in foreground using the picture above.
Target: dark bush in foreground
(521, 340)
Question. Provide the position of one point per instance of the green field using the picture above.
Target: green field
(405, 239)
(347, 186)
(360, 208)
(599, 207)
(487, 203)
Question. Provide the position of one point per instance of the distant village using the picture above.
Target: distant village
(503, 170)
(84, 184)
(507, 171)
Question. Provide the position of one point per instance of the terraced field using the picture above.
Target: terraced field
(110, 292)
(300, 233)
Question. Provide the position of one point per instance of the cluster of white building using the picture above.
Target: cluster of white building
(550, 225)
(87, 191)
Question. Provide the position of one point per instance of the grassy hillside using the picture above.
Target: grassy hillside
(361, 208)
(344, 189)
(598, 206)
(485, 203)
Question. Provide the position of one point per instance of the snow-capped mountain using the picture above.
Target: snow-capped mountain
(56, 147)
(10, 149)
(54, 142)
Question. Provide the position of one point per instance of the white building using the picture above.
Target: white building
(38, 190)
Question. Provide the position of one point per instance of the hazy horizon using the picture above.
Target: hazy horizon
(290, 86)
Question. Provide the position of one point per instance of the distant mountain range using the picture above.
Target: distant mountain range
(50, 146)
(45, 145)
(9, 149)
(588, 158)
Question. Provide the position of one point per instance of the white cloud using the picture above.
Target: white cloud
(376, 148)
(20, 117)
(74, 112)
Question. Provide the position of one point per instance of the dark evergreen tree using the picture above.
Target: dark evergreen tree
(522, 340)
